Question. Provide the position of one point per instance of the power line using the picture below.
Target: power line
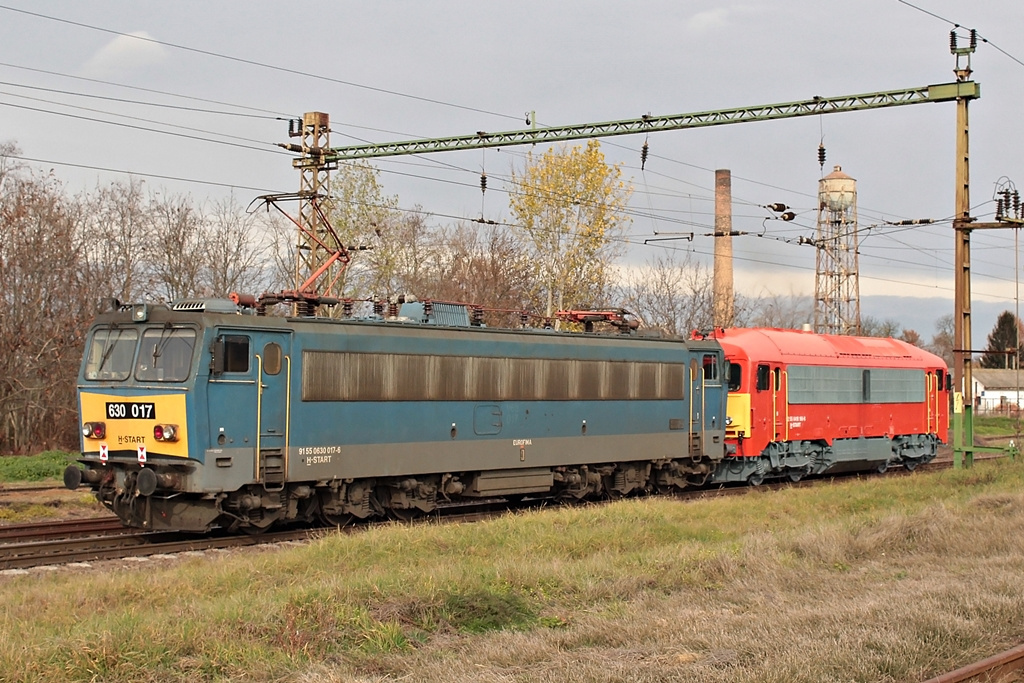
(126, 116)
(142, 89)
(251, 62)
(139, 102)
(89, 167)
(956, 25)
(270, 146)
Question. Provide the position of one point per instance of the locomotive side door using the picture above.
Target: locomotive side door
(273, 402)
(770, 400)
(780, 404)
(248, 398)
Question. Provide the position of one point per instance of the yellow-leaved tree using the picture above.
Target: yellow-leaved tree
(569, 206)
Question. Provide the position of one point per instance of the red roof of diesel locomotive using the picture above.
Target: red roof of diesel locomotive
(796, 346)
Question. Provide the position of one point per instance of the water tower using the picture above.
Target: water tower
(836, 278)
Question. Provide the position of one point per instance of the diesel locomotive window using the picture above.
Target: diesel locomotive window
(165, 354)
(764, 378)
(812, 384)
(735, 376)
(110, 354)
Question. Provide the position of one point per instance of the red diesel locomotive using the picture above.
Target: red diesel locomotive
(801, 403)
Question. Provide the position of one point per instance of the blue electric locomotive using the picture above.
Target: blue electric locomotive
(206, 414)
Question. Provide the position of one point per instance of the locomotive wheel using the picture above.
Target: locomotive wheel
(341, 520)
(405, 514)
(755, 479)
(883, 466)
(911, 465)
(796, 476)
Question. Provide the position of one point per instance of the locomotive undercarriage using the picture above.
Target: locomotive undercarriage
(797, 459)
(127, 492)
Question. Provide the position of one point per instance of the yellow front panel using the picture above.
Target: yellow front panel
(128, 433)
(738, 408)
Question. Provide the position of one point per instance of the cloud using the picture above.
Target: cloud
(709, 20)
(125, 54)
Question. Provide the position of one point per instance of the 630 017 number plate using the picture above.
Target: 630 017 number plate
(125, 410)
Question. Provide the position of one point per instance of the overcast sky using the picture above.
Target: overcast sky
(388, 71)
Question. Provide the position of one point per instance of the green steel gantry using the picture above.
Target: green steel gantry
(943, 92)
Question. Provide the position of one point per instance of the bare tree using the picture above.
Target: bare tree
(177, 248)
(118, 229)
(873, 327)
(238, 252)
(44, 312)
(673, 294)
(942, 341)
(486, 266)
(792, 311)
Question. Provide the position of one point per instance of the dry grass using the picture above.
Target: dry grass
(881, 580)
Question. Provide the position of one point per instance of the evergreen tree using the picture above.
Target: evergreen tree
(1004, 338)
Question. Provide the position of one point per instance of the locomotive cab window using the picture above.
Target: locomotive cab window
(230, 354)
(764, 378)
(710, 363)
(165, 354)
(735, 376)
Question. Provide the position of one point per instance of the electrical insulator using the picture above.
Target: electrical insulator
(1016, 203)
(952, 41)
(974, 38)
(999, 208)
(788, 216)
(643, 155)
(777, 207)
(821, 156)
(483, 182)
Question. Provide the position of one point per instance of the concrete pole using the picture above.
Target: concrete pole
(723, 313)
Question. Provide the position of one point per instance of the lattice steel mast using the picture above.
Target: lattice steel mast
(837, 268)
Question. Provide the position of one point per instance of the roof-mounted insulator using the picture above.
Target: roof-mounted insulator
(643, 155)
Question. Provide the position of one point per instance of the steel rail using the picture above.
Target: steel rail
(994, 668)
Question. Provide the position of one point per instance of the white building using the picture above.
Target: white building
(997, 391)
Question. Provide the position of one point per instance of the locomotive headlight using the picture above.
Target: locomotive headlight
(728, 421)
(94, 430)
(165, 432)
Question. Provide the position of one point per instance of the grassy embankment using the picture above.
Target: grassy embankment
(885, 579)
(45, 468)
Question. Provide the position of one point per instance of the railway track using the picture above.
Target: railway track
(23, 546)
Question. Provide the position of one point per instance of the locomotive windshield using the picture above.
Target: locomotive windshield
(165, 354)
(110, 354)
